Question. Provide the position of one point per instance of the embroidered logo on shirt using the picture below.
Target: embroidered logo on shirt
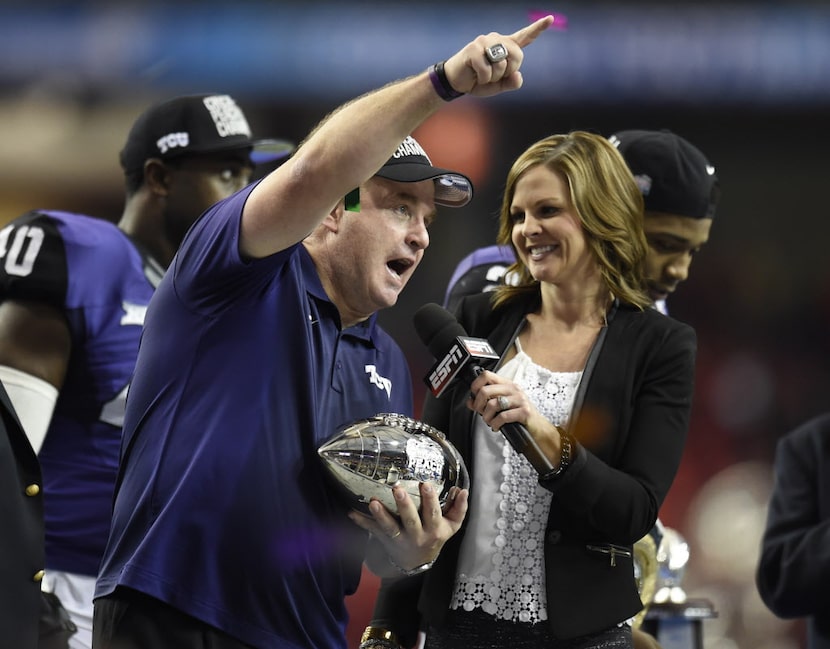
(133, 313)
(378, 380)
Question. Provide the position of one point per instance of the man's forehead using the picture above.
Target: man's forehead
(419, 196)
(231, 155)
(423, 190)
(679, 227)
(660, 220)
(213, 160)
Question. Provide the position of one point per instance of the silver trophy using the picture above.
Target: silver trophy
(370, 456)
(672, 559)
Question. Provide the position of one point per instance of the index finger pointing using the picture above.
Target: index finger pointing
(526, 35)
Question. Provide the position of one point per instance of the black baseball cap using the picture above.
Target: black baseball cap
(673, 175)
(195, 124)
(410, 164)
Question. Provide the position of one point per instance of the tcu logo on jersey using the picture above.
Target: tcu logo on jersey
(380, 381)
(172, 141)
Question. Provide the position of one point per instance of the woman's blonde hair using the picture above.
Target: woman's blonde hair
(607, 201)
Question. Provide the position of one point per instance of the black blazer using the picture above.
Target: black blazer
(21, 533)
(795, 549)
(630, 421)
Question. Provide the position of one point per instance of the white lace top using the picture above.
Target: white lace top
(501, 566)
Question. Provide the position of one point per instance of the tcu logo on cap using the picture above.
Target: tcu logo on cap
(172, 141)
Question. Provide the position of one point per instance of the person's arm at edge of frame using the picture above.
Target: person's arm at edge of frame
(792, 565)
(34, 356)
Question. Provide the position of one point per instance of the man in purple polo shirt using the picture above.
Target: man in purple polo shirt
(260, 342)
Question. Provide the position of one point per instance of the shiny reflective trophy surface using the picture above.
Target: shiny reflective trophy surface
(370, 456)
(660, 560)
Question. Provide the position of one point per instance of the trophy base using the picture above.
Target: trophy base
(679, 626)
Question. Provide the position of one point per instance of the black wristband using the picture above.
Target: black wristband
(441, 84)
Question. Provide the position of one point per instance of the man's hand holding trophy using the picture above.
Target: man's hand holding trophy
(406, 484)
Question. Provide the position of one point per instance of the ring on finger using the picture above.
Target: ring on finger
(504, 404)
(396, 534)
(495, 53)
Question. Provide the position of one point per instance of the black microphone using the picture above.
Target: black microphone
(461, 357)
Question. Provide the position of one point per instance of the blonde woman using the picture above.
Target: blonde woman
(601, 381)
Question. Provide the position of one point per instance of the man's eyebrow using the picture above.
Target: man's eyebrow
(668, 235)
(401, 195)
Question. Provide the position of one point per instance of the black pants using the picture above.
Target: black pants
(55, 625)
(128, 619)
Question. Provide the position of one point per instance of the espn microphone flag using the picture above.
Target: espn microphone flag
(466, 359)
(463, 351)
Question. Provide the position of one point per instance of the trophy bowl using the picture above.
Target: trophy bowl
(370, 456)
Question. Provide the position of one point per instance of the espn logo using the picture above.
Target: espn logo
(460, 355)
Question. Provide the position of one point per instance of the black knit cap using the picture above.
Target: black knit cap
(195, 124)
(673, 175)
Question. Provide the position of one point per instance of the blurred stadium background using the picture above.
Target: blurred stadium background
(748, 82)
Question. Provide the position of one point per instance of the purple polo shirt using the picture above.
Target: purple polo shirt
(222, 509)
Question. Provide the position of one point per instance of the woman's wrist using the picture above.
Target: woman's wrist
(375, 637)
(410, 572)
(565, 455)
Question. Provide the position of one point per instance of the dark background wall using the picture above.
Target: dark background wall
(745, 81)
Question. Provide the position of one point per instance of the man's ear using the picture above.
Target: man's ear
(157, 176)
(332, 220)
